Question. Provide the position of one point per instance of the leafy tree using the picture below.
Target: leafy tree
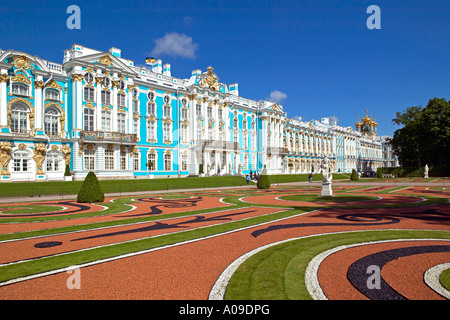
(425, 135)
(91, 190)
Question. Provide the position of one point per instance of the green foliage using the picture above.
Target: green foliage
(380, 173)
(67, 171)
(416, 171)
(150, 165)
(354, 176)
(425, 135)
(91, 190)
(263, 182)
(200, 168)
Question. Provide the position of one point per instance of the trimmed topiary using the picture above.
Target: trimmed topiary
(354, 176)
(91, 190)
(263, 181)
(67, 172)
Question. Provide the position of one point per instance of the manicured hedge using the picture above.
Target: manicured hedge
(416, 171)
(354, 176)
(263, 181)
(91, 190)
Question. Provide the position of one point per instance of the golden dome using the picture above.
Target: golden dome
(358, 124)
(366, 119)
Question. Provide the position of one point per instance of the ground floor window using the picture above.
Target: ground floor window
(109, 159)
(89, 160)
(135, 161)
(151, 163)
(167, 162)
(123, 160)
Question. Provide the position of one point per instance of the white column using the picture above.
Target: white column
(38, 105)
(114, 109)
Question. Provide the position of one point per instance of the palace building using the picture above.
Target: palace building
(99, 112)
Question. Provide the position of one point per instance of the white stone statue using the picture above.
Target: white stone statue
(324, 168)
(326, 178)
(426, 171)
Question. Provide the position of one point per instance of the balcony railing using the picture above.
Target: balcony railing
(218, 145)
(108, 136)
(277, 150)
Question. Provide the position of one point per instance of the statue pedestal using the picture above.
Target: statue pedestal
(326, 189)
(426, 176)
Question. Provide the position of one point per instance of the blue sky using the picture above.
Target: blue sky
(319, 55)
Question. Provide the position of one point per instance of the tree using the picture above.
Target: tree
(425, 135)
(354, 176)
(91, 190)
(263, 181)
(67, 171)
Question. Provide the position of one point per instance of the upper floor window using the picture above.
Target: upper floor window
(51, 121)
(151, 109)
(106, 120)
(210, 112)
(19, 89)
(89, 94)
(89, 119)
(184, 114)
(106, 97)
(121, 124)
(51, 94)
(19, 118)
(166, 111)
(122, 85)
(151, 96)
(106, 82)
(121, 100)
(88, 77)
(166, 99)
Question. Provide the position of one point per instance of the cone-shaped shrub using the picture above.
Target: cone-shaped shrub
(354, 176)
(264, 181)
(91, 190)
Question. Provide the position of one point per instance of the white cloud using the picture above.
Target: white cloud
(277, 96)
(176, 45)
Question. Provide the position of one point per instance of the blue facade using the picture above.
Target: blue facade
(98, 112)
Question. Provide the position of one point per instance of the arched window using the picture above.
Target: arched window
(51, 121)
(52, 94)
(19, 89)
(54, 161)
(21, 160)
(19, 118)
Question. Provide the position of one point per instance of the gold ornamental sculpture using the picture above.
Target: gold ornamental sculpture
(39, 157)
(5, 157)
(211, 80)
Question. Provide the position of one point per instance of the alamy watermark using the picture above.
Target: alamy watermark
(374, 20)
(374, 280)
(74, 280)
(74, 20)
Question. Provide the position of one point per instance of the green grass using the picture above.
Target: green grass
(34, 189)
(444, 279)
(278, 272)
(29, 209)
(31, 267)
(284, 178)
(335, 198)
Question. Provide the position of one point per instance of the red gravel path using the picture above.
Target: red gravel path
(188, 271)
(405, 275)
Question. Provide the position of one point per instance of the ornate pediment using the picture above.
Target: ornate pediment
(210, 80)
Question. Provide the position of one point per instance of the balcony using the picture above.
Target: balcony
(277, 150)
(218, 145)
(109, 136)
